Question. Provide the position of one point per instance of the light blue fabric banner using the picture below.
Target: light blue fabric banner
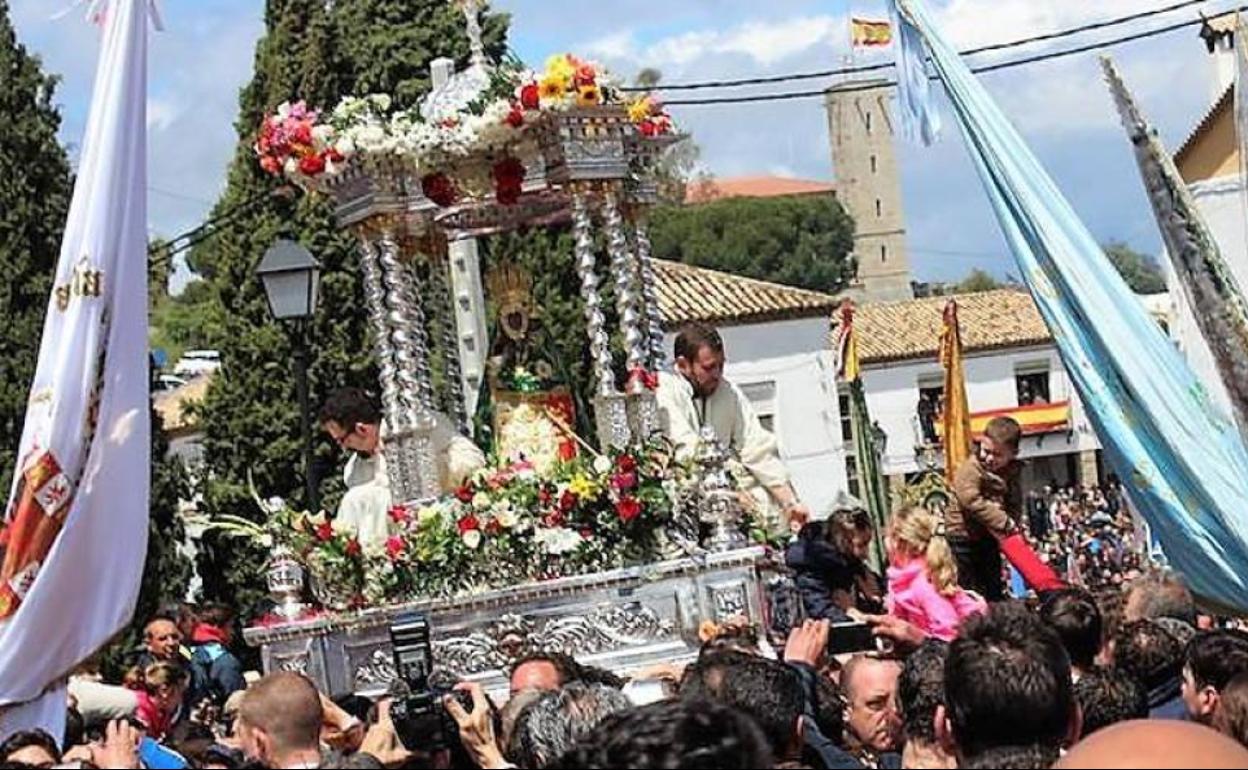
(920, 120)
(1179, 454)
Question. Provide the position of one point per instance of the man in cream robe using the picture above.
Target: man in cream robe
(353, 420)
(697, 395)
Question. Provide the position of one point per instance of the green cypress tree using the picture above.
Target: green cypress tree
(251, 417)
(35, 188)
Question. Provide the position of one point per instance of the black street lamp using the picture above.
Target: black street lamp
(291, 278)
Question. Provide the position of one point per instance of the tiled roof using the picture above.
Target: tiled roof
(897, 331)
(1224, 103)
(755, 187)
(688, 293)
(172, 405)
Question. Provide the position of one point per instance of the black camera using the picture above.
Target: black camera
(420, 718)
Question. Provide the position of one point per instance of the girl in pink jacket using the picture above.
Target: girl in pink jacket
(923, 577)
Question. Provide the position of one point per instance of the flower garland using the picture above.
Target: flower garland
(296, 142)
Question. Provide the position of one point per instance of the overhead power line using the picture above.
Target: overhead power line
(861, 69)
(1037, 58)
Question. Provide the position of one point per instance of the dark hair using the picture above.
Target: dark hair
(1073, 614)
(1148, 652)
(1231, 718)
(1033, 757)
(1108, 696)
(1164, 595)
(569, 669)
(695, 336)
(768, 691)
(1004, 430)
(348, 406)
(26, 738)
(672, 734)
(75, 729)
(921, 689)
(550, 726)
(842, 525)
(215, 614)
(1216, 657)
(1007, 682)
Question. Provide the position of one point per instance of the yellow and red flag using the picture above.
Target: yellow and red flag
(869, 33)
(956, 417)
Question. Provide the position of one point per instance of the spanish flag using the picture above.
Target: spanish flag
(956, 417)
(870, 34)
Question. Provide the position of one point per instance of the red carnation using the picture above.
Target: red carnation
(568, 501)
(628, 509)
(311, 165)
(465, 494)
(395, 547)
(530, 97)
(515, 118)
(324, 531)
(624, 481)
(544, 496)
(468, 524)
(649, 128)
(439, 188)
(353, 547)
(303, 133)
(626, 464)
(400, 515)
(567, 450)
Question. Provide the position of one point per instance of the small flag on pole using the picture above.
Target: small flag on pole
(868, 33)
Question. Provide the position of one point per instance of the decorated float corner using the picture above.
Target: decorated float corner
(618, 550)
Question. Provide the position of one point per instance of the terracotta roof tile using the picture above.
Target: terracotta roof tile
(1224, 103)
(688, 293)
(897, 331)
(755, 187)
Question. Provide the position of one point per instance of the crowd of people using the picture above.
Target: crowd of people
(1089, 534)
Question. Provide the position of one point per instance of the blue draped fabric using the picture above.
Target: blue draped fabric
(920, 121)
(1179, 454)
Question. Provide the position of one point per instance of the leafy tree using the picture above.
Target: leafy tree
(250, 417)
(35, 187)
(800, 241)
(977, 281)
(186, 321)
(1140, 271)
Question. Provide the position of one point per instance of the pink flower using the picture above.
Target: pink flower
(624, 482)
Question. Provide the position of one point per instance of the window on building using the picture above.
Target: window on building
(879, 207)
(851, 475)
(883, 254)
(875, 166)
(762, 396)
(928, 410)
(1032, 384)
(868, 119)
(847, 423)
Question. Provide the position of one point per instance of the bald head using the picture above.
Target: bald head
(1157, 743)
(284, 712)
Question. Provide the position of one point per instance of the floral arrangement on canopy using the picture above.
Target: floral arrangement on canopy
(507, 525)
(307, 146)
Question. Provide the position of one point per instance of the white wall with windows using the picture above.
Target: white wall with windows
(1002, 379)
(789, 375)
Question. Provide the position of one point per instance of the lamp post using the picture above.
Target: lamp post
(291, 278)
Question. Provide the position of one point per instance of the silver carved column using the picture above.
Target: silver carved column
(651, 312)
(610, 406)
(441, 305)
(642, 408)
(410, 445)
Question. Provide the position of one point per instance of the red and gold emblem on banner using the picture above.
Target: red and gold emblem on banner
(44, 494)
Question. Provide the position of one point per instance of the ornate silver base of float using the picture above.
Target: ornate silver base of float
(623, 620)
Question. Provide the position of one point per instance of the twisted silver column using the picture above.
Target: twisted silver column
(650, 295)
(375, 299)
(610, 408)
(627, 296)
(444, 326)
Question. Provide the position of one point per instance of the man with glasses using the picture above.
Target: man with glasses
(353, 420)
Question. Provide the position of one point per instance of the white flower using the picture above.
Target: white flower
(472, 539)
(322, 136)
(342, 527)
(481, 501)
(557, 540)
(274, 505)
(291, 167)
(602, 464)
(381, 101)
(507, 519)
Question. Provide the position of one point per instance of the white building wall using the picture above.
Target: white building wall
(893, 395)
(802, 408)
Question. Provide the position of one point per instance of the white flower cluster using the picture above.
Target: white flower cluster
(557, 540)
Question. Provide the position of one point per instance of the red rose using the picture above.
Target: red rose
(585, 75)
(624, 481)
(439, 188)
(628, 509)
(465, 494)
(626, 464)
(567, 450)
(649, 128)
(325, 532)
(515, 118)
(544, 496)
(530, 97)
(353, 547)
(568, 501)
(400, 515)
(468, 524)
(395, 547)
(311, 165)
(302, 133)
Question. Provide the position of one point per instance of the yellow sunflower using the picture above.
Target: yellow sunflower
(553, 88)
(588, 96)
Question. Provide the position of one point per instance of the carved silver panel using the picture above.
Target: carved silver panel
(729, 600)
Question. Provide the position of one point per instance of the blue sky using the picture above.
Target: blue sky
(205, 55)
